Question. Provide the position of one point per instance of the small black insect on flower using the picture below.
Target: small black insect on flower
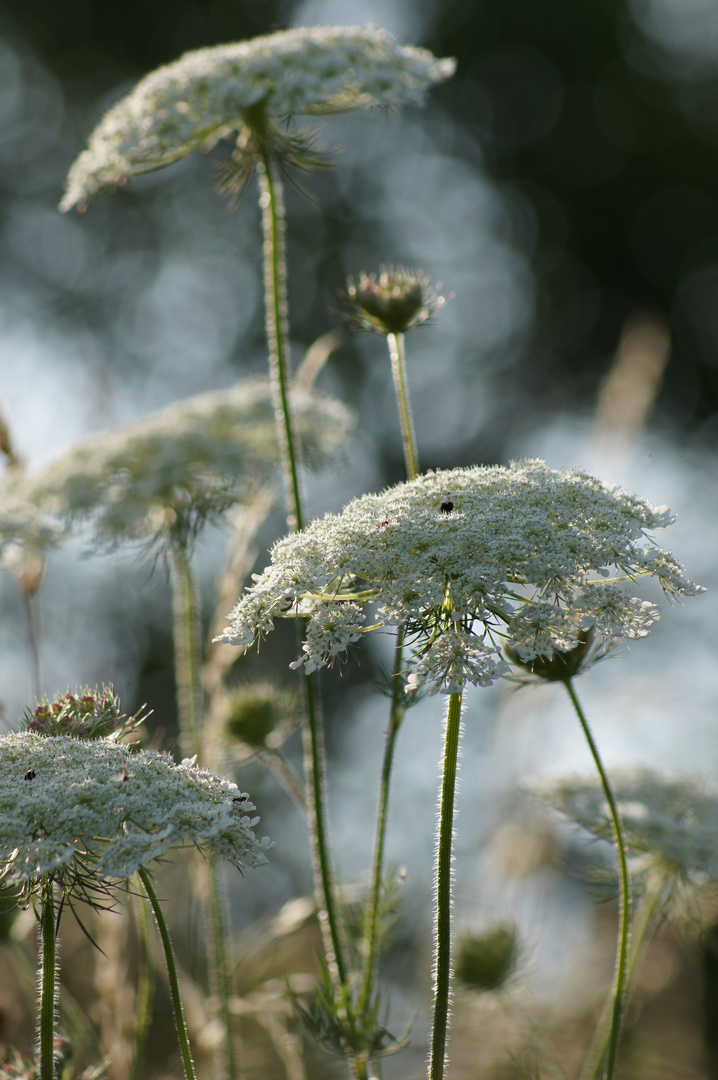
(30, 774)
(447, 507)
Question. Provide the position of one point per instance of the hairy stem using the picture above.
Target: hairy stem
(187, 648)
(620, 980)
(401, 386)
(643, 926)
(144, 991)
(442, 923)
(369, 941)
(271, 202)
(48, 980)
(187, 638)
(180, 1024)
(324, 880)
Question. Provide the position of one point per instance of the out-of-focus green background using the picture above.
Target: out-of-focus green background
(562, 187)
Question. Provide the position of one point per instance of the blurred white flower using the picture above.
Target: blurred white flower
(469, 561)
(671, 819)
(94, 811)
(174, 469)
(205, 96)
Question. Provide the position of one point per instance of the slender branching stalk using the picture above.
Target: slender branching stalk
(442, 919)
(401, 387)
(187, 638)
(620, 980)
(397, 356)
(369, 940)
(48, 980)
(177, 1009)
(273, 224)
(643, 925)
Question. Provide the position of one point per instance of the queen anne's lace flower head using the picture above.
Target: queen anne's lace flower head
(174, 469)
(95, 810)
(669, 819)
(204, 96)
(469, 561)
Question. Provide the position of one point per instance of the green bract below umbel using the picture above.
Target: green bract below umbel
(469, 561)
(204, 96)
(94, 811)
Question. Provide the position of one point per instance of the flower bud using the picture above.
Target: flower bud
(485, 962)
(560, 666)
(398, 301)
(259, 715)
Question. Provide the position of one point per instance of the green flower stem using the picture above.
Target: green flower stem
(273, 226)
(187, 648)
(369, 941)
(32, 619)
(620, 981)
(442, 955)
(324, 881)
(180, 1024)
(144, 992)
(187, 638)
(271, 202)
(48, 980)
(643, 926)
(398, 370)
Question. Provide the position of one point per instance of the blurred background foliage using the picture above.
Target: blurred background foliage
(562, 187)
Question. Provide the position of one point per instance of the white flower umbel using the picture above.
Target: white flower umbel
(174, 469)
(673, 819)
(204, 96)
(96, 811)
(468, 561)
(669, 824)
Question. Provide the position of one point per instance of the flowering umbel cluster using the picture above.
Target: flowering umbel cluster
(667, 820)
(90, 713)
(207, 94)
(87, 812)
(175, 469)
(468, 561)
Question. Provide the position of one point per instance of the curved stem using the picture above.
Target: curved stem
(275, 761)
(642, 928)
(442, 924)
(324, 881)
(398, 370)
(48, 980)
(177, 1009)
(369, 941)
(271, 202)
(620, 981)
